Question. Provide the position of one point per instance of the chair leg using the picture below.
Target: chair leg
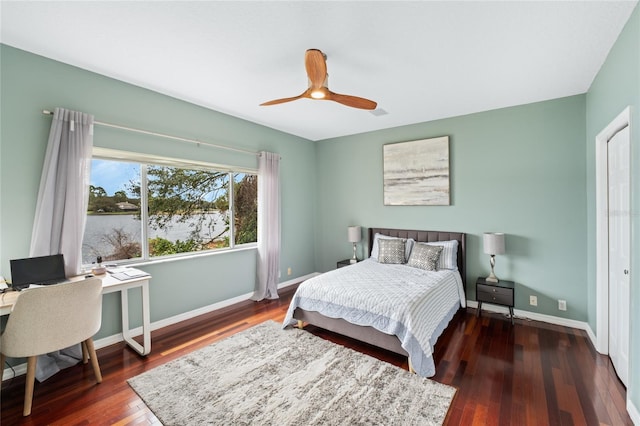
(85, 354)
(28, 386)
(2, 358)
(94, 359)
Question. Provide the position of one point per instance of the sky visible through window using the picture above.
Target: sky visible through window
(114, 176)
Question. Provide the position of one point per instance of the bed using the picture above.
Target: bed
(362, 301)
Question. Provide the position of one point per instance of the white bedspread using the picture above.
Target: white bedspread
(411, 303)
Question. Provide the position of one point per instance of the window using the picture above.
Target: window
(159, 207)
(113, 228)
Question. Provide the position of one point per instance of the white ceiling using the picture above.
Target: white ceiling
(419, 60)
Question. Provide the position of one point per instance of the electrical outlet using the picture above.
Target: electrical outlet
(533, 300)
(289, 270)
(562, 305)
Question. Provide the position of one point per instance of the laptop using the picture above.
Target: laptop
(42, 270)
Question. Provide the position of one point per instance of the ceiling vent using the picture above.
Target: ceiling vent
(378, 112)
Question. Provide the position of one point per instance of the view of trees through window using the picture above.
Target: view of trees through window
(188, 210)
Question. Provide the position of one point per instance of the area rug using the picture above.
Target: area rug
(269, 376)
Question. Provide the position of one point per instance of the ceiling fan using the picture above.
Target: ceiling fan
(315, 62)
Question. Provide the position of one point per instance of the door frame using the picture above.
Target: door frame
(602, 227)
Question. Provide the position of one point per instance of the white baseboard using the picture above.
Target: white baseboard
(633, 411)
(200, 311)
(21, 369)
(18, 370)
(592, 337)
(535, 316)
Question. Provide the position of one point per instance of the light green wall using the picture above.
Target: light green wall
(516, 170)
(31, 83)
(617, 86)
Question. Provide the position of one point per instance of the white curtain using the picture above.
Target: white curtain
(62, 208)
(64, 189)
(268, 226)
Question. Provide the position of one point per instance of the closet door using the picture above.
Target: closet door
(619, 250)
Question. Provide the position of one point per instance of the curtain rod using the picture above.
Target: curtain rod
(162, 135)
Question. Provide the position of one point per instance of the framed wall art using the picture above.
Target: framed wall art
(416, 173)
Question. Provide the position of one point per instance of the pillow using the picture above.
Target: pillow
(425, 256)
(391, 251)
(378, 237)
(449, 255)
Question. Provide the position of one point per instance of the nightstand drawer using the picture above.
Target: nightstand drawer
(502, 296)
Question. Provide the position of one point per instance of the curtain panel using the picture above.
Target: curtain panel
(61, 209)
(64, 189)
(268, 263)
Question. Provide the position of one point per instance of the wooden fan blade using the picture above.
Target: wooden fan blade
(316, 67)
(283, 100)
(352, 101)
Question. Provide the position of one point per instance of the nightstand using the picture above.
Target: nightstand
(345, 262)
(500, 293)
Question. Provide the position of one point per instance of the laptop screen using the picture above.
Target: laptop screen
(37, 270)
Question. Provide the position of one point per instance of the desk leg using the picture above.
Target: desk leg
(146, 322)
(146, 319)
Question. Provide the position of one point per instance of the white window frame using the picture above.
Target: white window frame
(145, 160)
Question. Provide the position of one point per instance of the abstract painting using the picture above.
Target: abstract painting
(416, 173)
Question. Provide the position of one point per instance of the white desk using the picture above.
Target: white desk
(110, 285)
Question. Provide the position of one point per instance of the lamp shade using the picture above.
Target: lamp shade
(493, 243)
(354, 234)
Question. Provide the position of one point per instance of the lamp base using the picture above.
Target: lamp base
(492, 278)
(352, 261)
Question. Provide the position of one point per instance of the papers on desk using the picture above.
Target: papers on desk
(126, 273)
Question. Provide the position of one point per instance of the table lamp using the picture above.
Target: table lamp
(354, 235)
(493, 244)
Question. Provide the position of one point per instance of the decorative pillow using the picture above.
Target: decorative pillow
(375, 248)
(391, 251)
(449, 255)
(425, 256)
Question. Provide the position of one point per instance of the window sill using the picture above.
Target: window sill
(173, 258)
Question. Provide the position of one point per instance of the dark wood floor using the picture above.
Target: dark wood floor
(526, 374)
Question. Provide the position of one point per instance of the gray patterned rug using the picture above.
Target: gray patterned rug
(269, 376)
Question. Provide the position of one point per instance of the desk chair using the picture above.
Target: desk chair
(51, 318)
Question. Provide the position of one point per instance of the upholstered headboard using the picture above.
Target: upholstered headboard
(426, 237)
